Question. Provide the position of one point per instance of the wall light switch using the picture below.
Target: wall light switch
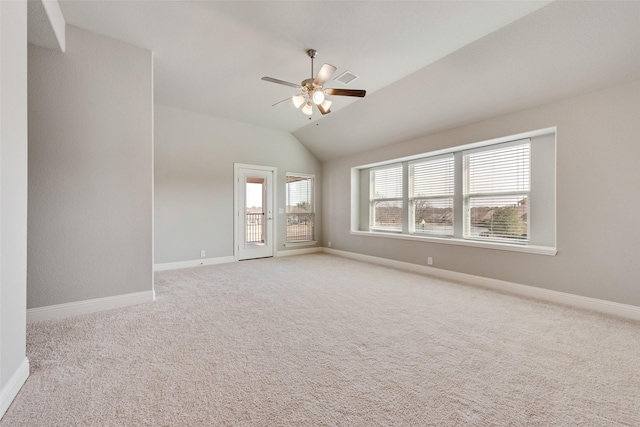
(281, 210)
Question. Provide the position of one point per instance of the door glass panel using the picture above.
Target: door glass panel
(254, 204)
(254, 211)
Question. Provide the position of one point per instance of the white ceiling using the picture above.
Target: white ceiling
(426, 66)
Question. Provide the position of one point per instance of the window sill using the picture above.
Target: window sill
(538, 250)
(296, 244)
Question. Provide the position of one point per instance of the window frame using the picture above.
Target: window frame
(312, 202)
(467, 195)
(373, 199)
(413, 198)
(542, 232)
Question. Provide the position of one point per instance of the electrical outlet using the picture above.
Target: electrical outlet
(202, 253)
(329, 244)
(430, 261)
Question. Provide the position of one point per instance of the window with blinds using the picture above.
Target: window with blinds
(431, 191)
(499, 194)
(496, 192)
(386, 198)
(300, 208)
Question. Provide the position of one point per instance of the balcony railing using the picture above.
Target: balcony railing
(300, 227)
(255, 228)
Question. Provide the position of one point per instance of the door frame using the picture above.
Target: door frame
(238, 206)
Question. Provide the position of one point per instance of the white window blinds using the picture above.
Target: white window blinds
(496, 192)
(431, 191)
(386, 198)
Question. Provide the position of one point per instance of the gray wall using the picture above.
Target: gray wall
(13, 190)
(598, 233)
(90, 170)
(194, 158)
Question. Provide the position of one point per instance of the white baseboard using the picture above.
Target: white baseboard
(299, 252)
(193, 263)
(59, 311)
(594, 304)
(11, 389)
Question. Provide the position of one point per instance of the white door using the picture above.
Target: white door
(254, 211)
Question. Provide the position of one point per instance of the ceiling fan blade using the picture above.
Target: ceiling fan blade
(324, 74)
(346, 92)
(324, 108)
(280, 82)
(280, 102)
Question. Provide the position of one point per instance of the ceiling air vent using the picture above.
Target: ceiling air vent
(346, 77)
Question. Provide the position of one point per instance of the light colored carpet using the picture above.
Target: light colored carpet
(320, 340)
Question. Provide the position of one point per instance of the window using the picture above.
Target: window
(431, 196)
(300, 208)
(386, 198)
(499, 194)
(496, 192)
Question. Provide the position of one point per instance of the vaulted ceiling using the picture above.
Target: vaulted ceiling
(426, 66)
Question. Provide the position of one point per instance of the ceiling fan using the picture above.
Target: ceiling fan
(313, 92)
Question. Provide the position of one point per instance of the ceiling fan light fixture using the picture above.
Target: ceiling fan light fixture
(324, 107)
(298, 100)
(318, 97)
(312, 91)
(307, 109)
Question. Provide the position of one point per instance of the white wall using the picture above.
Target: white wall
(90, 170)
(14, 367)
(598, 234)
(194, 158)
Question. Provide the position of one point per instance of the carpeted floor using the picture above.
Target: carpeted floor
(320, 340)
